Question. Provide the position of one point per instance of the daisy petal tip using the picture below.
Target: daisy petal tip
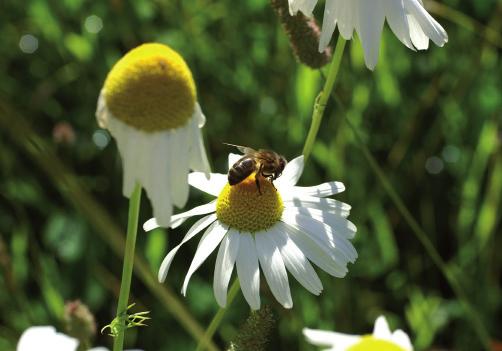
(221, 303)
(306, 331)
(161, 277)
(371, 66)
(151, 224)
(381, 329)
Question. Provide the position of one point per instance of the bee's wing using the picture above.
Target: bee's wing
(244, 149)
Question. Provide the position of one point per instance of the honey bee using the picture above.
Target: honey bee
(266, 163)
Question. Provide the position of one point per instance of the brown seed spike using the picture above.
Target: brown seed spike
(303, 34)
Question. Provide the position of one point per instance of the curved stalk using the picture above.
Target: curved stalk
(322, 98)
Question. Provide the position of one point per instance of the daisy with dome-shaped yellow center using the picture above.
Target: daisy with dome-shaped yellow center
(382, 339)
(149, 104)
(285, 228)
(151, 88)
(246, 209)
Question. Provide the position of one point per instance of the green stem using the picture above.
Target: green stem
(125, 286)
(215, 323)
(322, 98)
(421, 235)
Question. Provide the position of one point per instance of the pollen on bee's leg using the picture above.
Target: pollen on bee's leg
(249, 207)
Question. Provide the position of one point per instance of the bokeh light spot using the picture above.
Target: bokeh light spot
(434, 165)
(93, 24)
(28, 44)
(451, 154)
(101, 138)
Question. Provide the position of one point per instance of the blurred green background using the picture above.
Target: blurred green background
(432, 120)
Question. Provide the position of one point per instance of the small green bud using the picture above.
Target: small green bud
(79, 322)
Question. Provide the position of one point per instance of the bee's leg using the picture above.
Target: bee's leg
(257, 181)
(257, 184)
(271, 179)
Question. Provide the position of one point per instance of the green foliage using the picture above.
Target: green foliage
(444, 103)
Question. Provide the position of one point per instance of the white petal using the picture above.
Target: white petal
(160, 180)
(151, 224)
(307, 6)
(194, 230)
(339, 224)
(293, 7)
(398, 22)
(46, 338)
(128, 143)
(158, 161)
(180, 218)
(178, 168)
(321, 190)
(328, 24)
(371, 20)
(214, 185)
(232, 158)
(198, 157)
(291, 174)
(328, 338)
(248, 271)
(341, 248)
(199, 116)
(102, 114)
(210, 240)
(224, 266)
(347, 16)
(381, 329)
(273, 268)
(296, 262)
(320, 203)
(429, 25)
(315, 253)
(418, 37)
(402, 339)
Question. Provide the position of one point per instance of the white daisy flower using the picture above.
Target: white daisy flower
(280, 229)
(42, 338)
(149, 104)
(382, 339)
(408, 19)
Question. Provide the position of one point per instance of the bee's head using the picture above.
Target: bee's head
(282, 165)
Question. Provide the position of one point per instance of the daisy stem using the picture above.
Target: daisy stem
(322, 98)
(125, 285)
(421, 235)
(215, 323)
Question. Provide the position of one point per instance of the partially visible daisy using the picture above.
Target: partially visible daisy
(42, 338)
(382, 339)
(280, 229)
(408, 19)
(149, 105)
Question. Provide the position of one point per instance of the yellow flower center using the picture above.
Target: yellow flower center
(370, 343)
(242, 207)
(151, 88)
